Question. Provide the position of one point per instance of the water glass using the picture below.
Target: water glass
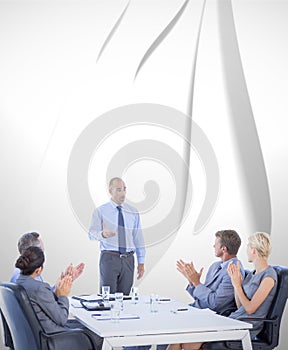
(115, 311)
(154, 299)
(119, 299)
(105, 294)
(135, 295)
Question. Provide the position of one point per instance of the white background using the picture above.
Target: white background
(51, 88)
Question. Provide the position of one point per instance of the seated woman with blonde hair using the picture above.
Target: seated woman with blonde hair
(254, 295)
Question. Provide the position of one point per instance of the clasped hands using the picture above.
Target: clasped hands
(188, 270)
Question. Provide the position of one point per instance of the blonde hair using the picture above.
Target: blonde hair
(262, 243)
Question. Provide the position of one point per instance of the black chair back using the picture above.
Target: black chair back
(8, 342)
(15, 316)
(271, 331)
(26, 331)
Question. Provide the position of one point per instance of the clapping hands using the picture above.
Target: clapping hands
(73, 271)
(235, 274)
(188, 270)
(63, 286)
(66, 279)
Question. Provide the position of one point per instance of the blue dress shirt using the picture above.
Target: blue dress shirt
(108, 214)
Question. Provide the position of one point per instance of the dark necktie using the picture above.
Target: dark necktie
(121, 232)
(219, 268)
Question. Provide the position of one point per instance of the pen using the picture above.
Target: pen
(182, 309)
(164, 299)
(96, 315)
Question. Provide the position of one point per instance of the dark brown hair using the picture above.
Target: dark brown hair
(30, 260)
(229, 239)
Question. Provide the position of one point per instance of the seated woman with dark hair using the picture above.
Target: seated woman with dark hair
(254, 295)
(52, 309)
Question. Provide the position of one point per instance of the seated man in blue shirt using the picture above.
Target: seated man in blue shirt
(33, 239)
(217, 292)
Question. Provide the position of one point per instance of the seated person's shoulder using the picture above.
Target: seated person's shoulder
(270, 272)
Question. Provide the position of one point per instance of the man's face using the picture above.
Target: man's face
(41, 244)
(118, 191)
(218, 249)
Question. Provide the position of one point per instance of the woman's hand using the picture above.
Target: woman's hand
(63, 286)
(235, 274)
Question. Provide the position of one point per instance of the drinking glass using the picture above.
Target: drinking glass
(119, 299)
(154, 302)
(135, 295)
(105, 294)
(115, 311)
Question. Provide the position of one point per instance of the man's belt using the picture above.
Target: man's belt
(121, 255)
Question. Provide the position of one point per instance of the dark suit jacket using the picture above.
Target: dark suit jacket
(53, 313)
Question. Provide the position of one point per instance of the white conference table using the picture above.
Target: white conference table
(163, 327)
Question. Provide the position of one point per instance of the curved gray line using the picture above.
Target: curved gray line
(210, 165)
(191, 93)
(113, 30)
(243, 123)
(161, 37)
(49, 140)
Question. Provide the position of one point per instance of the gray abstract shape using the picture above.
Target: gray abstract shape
(148, 114)
(191, 92)
(245, 131)
(161, 37)
(212, 176)
(204, 149)
(112, 32)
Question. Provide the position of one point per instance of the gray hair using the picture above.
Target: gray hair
(114, 179)
(29, 239)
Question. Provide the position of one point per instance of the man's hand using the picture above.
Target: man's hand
(193, 275)
(73, 271)
(140, 271)
(77, 271)
(189, 271)
(106, 233)
(181, 267)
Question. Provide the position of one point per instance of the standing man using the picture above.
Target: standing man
(117, 226)
(217, 292)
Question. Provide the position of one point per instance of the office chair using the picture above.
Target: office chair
(25, 328)
(8, 342)
(268, 338)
